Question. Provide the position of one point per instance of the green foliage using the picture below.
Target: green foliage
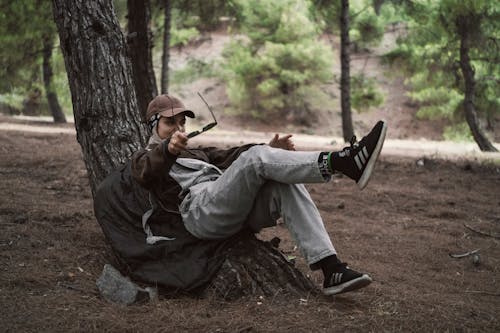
(367, 29)
(430, 52)
(13, 99)
(436, 100)
(327, 14)
(181, 36)
(60, 82)
(183, 27)
(364, 93)
(282, 21)
(269, 70)
(459, 132)
(205, 13)
(398, 57)
(24, 25)
(487, 86)
(390, 13)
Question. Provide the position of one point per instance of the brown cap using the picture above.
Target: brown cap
(166, 106)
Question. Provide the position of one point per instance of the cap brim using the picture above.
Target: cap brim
(171, 113)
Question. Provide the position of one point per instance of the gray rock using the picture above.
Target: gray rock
(476, 260)
(117, 288)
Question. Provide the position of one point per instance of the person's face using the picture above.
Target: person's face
(168, 125)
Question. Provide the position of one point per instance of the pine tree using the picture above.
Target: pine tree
(27, 35)
(452, 54)
(282, 62)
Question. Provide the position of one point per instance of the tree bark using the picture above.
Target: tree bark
(345, 80)
(469, 80)
(140, 48)
(54, 106)
(254, 267)
(102, 90)
(166, 47)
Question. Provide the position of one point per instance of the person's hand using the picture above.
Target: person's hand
(178, 143)
(283, 142)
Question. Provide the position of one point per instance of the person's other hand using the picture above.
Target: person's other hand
(178, 143)
(283, 142)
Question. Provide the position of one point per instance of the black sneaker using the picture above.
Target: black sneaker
(344, 279)
(358, 160)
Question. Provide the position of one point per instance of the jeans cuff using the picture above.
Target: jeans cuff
(313, 262)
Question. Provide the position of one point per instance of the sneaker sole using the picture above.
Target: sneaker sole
(365, 177)
(357, 283)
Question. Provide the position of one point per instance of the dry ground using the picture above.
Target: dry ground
(400, 229)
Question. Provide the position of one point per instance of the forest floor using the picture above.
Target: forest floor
(401, 230)
(427, 199)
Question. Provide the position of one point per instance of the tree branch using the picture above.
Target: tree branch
(481, 232)
(482, 292)
(356, 14)
(464, 254)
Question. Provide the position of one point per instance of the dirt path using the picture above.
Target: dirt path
(217, 136)
(400, 229)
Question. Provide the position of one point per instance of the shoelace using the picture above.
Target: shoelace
(354, 143)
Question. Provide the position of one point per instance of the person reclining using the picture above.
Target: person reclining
(219, 192)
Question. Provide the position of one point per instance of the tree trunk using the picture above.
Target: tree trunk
(377, 5)
(468, 73)
(345, 80)
(102, 90)
(166, 47)
(254, 267)
(109, 131)
(490, 120)
(140, 50)
(54, 107)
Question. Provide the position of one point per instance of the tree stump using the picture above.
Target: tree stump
(255, 267)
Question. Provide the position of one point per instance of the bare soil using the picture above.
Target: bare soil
(400, 229)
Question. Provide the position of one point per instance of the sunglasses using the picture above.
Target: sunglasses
(206, 127)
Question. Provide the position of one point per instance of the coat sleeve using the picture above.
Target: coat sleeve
(148, 166)
(222, 158)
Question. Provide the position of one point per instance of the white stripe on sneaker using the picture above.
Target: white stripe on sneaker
(336, 278)
(361, 157)
(358, 162)
(365, 152)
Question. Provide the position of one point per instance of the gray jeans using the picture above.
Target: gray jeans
(262, 185)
